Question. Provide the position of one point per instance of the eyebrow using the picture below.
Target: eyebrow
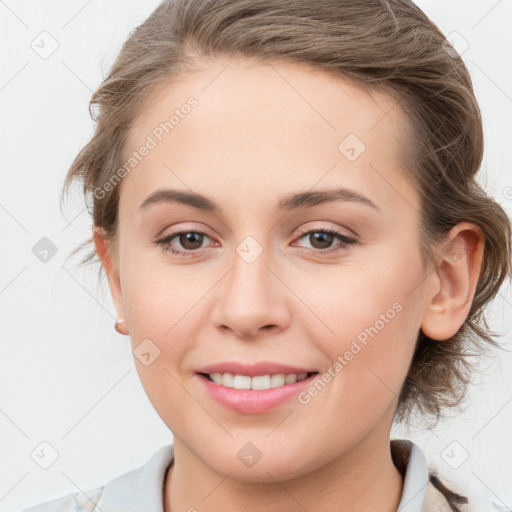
(291, 202)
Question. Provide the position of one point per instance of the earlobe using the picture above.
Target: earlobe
(453, 283)
(102, 246)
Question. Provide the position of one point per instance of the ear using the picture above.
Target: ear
(109, 266)
(454, 281)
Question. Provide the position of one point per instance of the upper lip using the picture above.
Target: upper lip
(253, 370)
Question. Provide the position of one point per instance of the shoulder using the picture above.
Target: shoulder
(73, 502)
(442, 496)
(137, 489)
(427, 490)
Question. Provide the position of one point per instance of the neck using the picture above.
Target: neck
(362, 478)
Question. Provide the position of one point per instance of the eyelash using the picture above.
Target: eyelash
(345, 241)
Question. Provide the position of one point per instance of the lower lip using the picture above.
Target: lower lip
(252, 401)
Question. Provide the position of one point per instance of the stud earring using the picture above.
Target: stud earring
(120, 326)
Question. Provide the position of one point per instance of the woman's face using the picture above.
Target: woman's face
(264, 280)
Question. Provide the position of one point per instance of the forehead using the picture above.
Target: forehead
(265, 127)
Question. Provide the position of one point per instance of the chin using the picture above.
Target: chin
(265, 474)
(265, 470)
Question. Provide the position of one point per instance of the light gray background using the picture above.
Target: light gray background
(67, 378)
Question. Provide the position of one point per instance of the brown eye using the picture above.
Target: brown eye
(190, 241)
(321, 240)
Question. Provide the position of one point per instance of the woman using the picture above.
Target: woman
(286, 210)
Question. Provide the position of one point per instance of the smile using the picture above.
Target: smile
(254, 395)
(259, 382)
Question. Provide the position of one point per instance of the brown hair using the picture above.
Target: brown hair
(381, 45)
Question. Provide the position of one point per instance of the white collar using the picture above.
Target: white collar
(141, 489)
(416, 477)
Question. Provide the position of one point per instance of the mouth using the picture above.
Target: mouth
(257, 382)
(258, 393)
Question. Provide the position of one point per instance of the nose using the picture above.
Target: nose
(252, 299)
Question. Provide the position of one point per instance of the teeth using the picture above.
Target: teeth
(277, 380)
(217, 378)
(241, 382)
(260, 382)
(290, 379)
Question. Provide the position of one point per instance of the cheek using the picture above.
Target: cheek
(368, 320)
(158, 297)
(347, 299)
(163, 324)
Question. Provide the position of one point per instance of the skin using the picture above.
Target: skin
(251, 140)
